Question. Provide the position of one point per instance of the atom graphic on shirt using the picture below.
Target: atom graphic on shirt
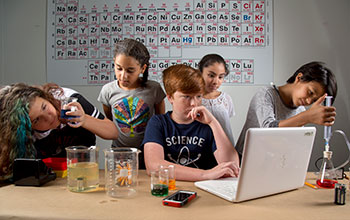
(184, 157)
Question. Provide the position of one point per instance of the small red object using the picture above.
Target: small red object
(56, 163)
(326, 183)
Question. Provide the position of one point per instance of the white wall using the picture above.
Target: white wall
(304, 30)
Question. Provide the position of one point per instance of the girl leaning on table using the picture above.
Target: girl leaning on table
(31, 125)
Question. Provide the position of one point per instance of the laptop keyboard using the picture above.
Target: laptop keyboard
(223, 187)
(227, 188)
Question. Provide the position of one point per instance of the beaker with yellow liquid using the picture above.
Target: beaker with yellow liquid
(82, 168)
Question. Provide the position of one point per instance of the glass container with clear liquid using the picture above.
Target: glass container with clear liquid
(327, 176)
(82, 168)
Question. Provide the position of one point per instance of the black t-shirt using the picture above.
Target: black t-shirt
(191, 145)
(52, 143)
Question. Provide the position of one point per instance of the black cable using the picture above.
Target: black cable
(318, 168)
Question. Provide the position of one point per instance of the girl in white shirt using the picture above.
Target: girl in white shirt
(214, 69)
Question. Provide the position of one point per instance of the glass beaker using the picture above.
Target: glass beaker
(171, 174)
(82, 168)
(159, 183)
(121, 171)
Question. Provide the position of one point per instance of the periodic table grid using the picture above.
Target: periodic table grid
(87, 33)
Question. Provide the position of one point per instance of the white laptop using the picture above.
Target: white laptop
(274, 160)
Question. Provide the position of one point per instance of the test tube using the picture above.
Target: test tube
(328, 129)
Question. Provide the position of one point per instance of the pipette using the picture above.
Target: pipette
(328, 129)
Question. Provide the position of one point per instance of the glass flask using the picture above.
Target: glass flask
(327, 177)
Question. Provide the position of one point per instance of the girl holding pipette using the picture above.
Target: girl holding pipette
(284, 106)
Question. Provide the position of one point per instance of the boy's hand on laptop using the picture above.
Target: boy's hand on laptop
(225, 169)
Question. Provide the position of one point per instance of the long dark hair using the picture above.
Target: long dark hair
(16, 139)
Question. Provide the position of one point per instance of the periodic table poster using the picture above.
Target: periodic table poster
(81, 35)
